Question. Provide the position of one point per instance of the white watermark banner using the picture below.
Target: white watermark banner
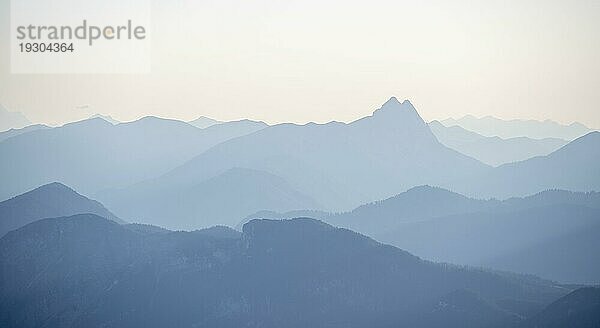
(74, 36)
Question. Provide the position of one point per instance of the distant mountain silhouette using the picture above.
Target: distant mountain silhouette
(221, 200)
(88, 272)
(48, 201)
(494, 127)
(573, 167)
(568, 256)
(15, 132)
(513, 240)
(203, 122)
(416, 204)
(12, 120)
(107, 118)
(579, 309)
(94, 155)
(493, 150)
(338, 165)
(517, 234)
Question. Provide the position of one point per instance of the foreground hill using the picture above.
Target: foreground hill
(493, 150)
(298, 273)
(579, 309)
(94, 154)
(552, 234)
(338, 165)
(48, 201)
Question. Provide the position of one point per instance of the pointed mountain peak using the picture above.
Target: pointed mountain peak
(88, 123)
(393, 101)
(54, 186)
(396, 110)
(399, 119)
(407, 103)
(206, 118)
(107, 118)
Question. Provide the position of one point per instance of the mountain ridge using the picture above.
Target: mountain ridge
(82, 155)
(494, 151)
(394, 145)
(491, 126)
(50, 200)
(511, 234)
(575, 162)
(328, 272)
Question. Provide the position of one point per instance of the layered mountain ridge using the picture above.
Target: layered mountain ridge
(335, 277)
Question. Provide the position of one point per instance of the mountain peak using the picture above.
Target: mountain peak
(53, 186)
(203, 122)
(401, 117)
(398, 109)
(50, 200)
(88, 123)
(107, 118)
(392, 101)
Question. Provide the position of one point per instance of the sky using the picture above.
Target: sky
(301, 61)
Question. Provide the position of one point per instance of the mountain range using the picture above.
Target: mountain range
(551, 234)
(164, 167)
(220, 200)
(490, 126)
(87, 271)
(572, 167)
(94, 155)
(48, 201)
(386, 221)
(382, 154)
(493, 151)
(389, 151)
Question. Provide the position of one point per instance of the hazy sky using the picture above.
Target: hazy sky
(309, 60)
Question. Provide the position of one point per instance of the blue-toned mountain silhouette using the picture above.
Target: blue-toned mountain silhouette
(338, 165)
(48, 201)
(493, 150)
(204, 122)
(579, 309)
(273, 215)
(573, 167)
(220, 200)
(551, 234)
(86, 271)
(490, 126)
(94, 155)
(15, 132)
(107, 118)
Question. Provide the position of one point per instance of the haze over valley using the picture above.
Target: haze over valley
(387, 220)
